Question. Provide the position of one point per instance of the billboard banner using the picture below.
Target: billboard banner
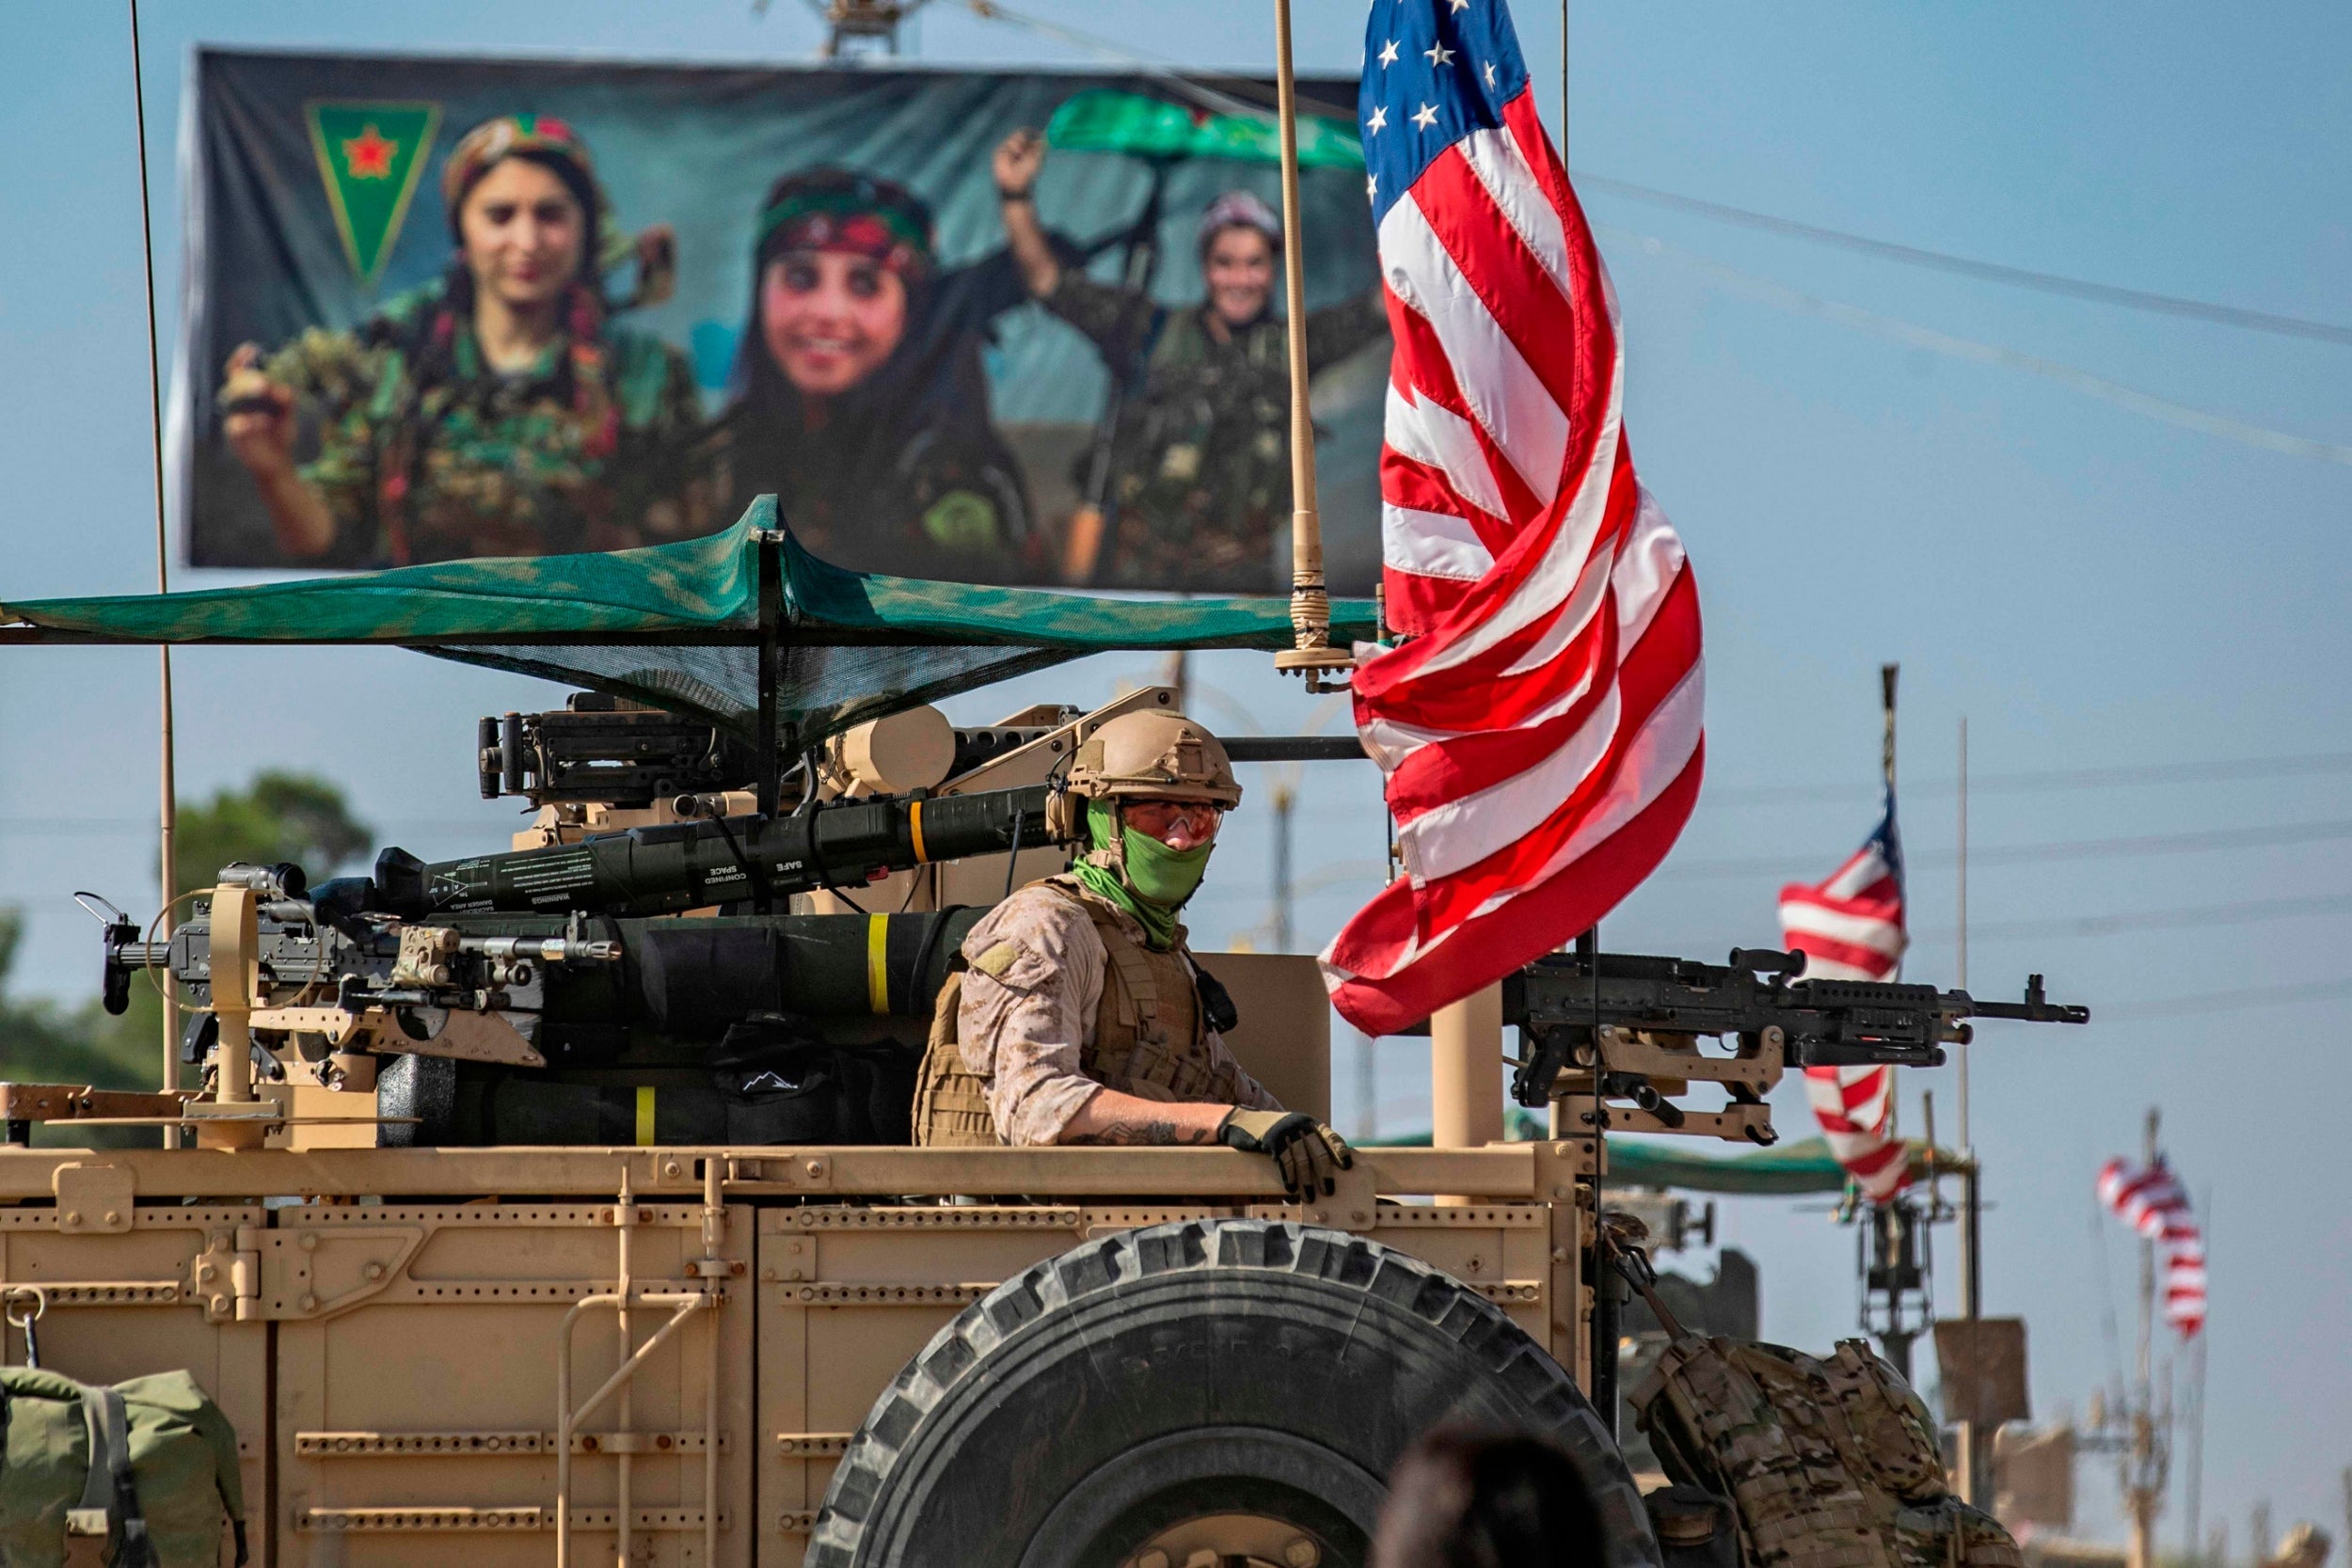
(986, 326)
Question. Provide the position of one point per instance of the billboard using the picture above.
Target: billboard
(987, 326)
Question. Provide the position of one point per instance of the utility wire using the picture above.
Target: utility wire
(2065, 850)
(2221, 1001)
(1911, 334)
(1993, 272)
(2051, 779)
(2144, 920)
(2147, 920)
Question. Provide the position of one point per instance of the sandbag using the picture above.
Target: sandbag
(165, 1479)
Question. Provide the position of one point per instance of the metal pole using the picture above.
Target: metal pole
(1960, 1052)
(1971, 1261)
(168, 810)
(2142, 1495)
(1466, 1074)
(1284, 799)
(2194, 1527)
(1312, 653)
(1178, 677)
(1564, 84)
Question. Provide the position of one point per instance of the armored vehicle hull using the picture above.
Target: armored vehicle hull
(682, 1355)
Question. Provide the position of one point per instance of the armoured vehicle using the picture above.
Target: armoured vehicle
(496, 1225)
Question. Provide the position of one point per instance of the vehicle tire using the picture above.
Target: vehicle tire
(1202, 1367)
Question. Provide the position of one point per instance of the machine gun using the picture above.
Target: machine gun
(475, 958)
(1599, 1026)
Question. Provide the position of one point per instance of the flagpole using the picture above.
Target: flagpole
(1564, 84)
(1312, 653)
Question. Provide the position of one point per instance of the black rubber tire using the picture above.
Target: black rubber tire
(1190, 1369)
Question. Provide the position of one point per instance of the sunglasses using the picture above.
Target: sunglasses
(1159, 817)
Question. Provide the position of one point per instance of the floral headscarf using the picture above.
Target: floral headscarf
(831, 208)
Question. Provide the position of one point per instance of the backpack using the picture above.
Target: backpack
(1828, 1464)
(149, 1464)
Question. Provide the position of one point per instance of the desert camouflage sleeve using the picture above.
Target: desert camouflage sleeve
(1030, 1002)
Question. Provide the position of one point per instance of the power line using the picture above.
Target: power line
(2145, 920)
(2052, 778)
(1994, 272)
(1911, 334)
(2065, 849)
(2221, 1001)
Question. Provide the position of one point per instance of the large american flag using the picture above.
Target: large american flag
(1540, 727)
(2150, 1200)
(1850, 928)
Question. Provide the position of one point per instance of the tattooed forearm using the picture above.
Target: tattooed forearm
(1137, 1130)
(1112, 1117)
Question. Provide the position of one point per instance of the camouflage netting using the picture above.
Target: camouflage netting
(677, 626)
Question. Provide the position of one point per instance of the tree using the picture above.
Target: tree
(278, 816)
(42, 1041)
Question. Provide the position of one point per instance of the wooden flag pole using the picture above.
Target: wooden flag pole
(1312, 653)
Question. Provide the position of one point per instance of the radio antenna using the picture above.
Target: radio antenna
(168, 810)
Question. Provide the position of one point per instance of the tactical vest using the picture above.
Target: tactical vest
(1828, 1464)
(1147, 1039)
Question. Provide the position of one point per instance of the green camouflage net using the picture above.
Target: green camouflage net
(677, 626)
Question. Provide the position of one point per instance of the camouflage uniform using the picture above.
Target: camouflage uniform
(585, 450)
(1201, 461)
(1029, 1019)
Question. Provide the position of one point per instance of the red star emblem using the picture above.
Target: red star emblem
(369, 154)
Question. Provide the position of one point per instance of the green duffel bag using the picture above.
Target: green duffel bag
(150, 1465)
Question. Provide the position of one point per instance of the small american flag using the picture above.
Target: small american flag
(2151, 1201)
(1850, 928)
(1540, 730)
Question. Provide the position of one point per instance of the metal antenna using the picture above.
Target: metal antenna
(1312, 655)
(167, 817)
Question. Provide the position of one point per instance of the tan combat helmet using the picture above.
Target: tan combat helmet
(1163, 755)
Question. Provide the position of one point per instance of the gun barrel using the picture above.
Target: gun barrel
(2034, 1012)
(689, 866)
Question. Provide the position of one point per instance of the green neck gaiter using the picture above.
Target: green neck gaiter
(1157, 879)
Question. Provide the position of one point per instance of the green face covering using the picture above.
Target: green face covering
(1159, 879)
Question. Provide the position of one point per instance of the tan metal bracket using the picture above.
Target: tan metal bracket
(1353, 1204)
(93, 1200)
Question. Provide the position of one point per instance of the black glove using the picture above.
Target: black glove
(1307, 1153)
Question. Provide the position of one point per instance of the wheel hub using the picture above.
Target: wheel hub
(1230, 1541)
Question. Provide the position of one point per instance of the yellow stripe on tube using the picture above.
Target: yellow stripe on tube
(878, 962)
(645, 1114)
(915, 828)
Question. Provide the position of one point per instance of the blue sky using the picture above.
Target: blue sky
(2093, 588)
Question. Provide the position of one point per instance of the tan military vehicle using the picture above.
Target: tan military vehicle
(710, 1352)
(558, 1200)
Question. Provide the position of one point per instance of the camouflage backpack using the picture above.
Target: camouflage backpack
(1828, 1464)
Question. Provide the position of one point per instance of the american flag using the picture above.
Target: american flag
(2151, 1201)
(1850, 928)
(1540, 728)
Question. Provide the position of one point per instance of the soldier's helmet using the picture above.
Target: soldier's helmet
(1163, 755)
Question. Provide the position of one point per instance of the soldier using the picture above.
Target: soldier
(1082, 1018)
(1201, 458)
(493, 411)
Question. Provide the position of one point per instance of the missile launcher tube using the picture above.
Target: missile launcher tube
(685, 865)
